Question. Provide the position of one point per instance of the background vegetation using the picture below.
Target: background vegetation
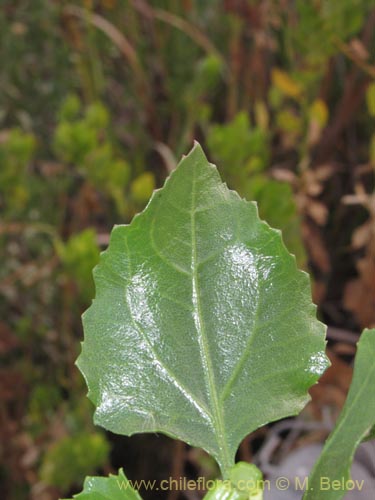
(98, 99)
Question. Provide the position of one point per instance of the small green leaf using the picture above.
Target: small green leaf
(108, 488)
(202, 326)
(354, 423)
(247, 479)
(245, 482)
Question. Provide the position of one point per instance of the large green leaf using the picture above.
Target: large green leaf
(202, 326)
(354, 423)
(108, 488)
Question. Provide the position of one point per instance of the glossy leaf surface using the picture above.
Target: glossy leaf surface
(202, 326)
(354, 423)
(108, 488)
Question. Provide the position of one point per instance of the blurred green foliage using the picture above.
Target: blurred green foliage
(16, 150)
(97, 100)
(83, 141)
(252, 156)
(72, 458)
(333, 20)
(79, 255)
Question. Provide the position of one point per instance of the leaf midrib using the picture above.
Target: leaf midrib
(175, 381)
(225, 461)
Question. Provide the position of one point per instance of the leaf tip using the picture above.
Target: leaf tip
(197, 149)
